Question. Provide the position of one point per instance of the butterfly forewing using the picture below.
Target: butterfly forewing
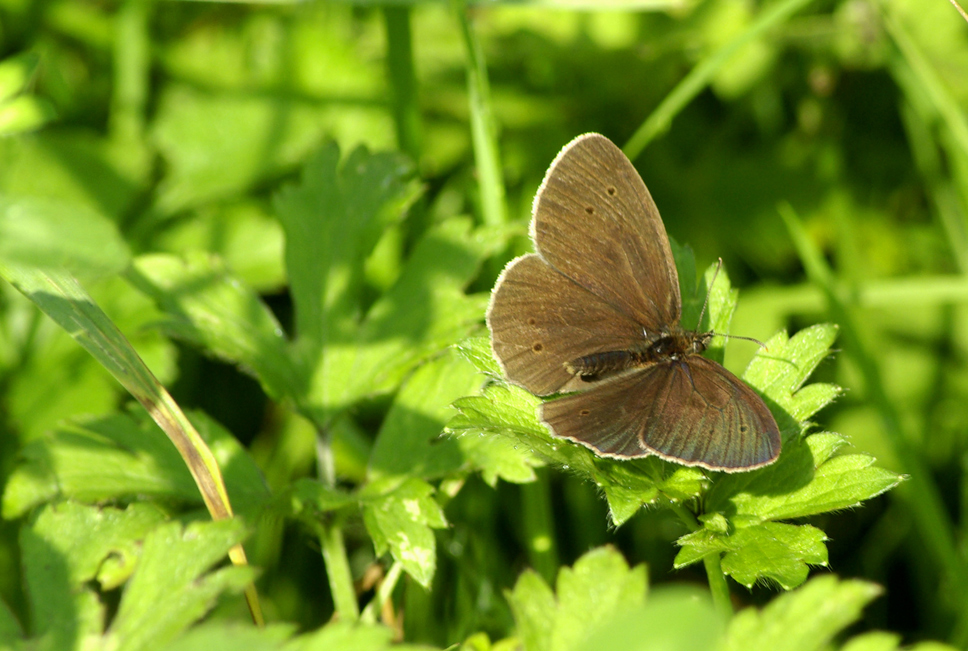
(595, 222)
(691, 410)
(539, 319)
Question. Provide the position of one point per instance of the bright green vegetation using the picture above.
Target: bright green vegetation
(272, 230)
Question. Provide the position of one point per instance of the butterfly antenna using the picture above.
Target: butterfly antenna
(702, 312)
(709, 290)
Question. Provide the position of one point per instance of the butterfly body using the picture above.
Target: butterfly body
(595, 314)
(665, 347)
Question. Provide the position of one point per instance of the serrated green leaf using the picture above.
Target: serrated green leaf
(803, 620)
(769, 551)
(477, 351)
(775, 552)
(174, 569)
(533, 605)
(399, 516)
(211, 308)
(780, 370)
(509, 411)
(599, 585)
(498, 458)
(806, 480)
(66, 546)
(332, 219)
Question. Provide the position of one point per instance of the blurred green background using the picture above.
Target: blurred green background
(180, 120)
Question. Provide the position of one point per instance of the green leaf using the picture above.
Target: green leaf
(211, 308)
(674, 617)
(222, 634)
(400, 517)
(426, 310)
(16, 73)
(349, 635)
(64, 548)
(61, 297)
(809, 478)
(125, 457)
(876, 641)
(309, 500)
(43, 232)
(769, 551)
(806, 619)
(780, 370)
(598, 586)
(218, 145)
(175, 569)
(243, 233)
(409, 440)
(332, 220)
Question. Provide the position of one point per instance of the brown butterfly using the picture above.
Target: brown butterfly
(595, 314)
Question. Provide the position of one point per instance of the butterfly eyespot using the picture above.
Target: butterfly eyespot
(537, 346)
(743, 429)
(589, 210)
(611, 191)
(532, 321)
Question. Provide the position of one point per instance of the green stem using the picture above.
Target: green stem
(483, 131)
(383, 594)
(539, 527)
(718, 585)
(331, 540)
(402, 79)
(338, 571)
(132, 68)
(713, 563)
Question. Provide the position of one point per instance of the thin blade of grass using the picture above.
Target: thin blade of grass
(701, 76)
(61, 297)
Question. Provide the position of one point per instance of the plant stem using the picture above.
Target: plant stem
(403, 82)
(539, 527)
(713, 563)
(718, 585)
(338, 571)
(483, 131)
(383, 594)
(331, 540)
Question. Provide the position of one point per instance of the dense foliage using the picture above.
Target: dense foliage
(276, 229)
